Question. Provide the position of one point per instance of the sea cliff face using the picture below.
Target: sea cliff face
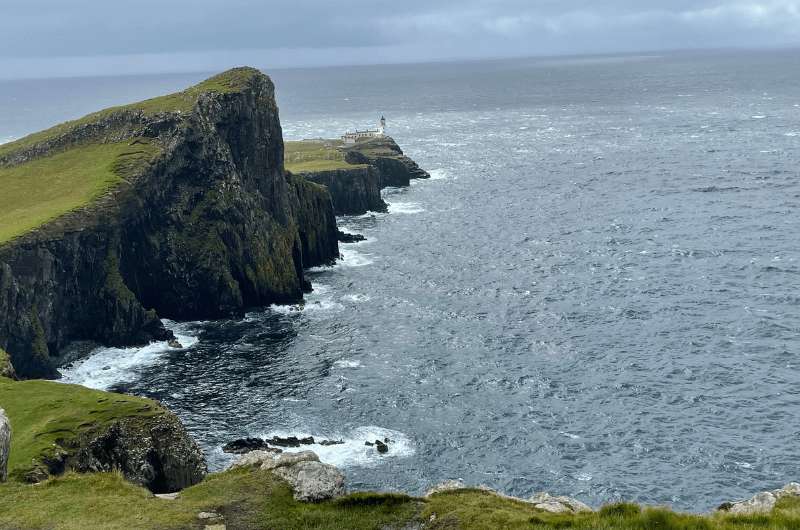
(354, 191)
(383, 154)
(211, 225)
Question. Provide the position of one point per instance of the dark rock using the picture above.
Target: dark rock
(155, 452)
(331, 442)
(245, 445)
(214, 225)
(381, 447)
(370, 444)
(173, 343)
(344, 237)
(291, 441)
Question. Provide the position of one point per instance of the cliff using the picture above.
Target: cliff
(189, 214)
(353, 174)
(57, 428)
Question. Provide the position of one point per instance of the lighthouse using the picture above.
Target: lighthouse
(382, 126)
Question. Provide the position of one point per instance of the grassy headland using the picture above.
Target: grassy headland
(315, 155)
(62, 179)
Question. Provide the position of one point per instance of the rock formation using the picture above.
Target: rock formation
(385, 156)
(541, 501)
(310, 479)
(6, 368)
(211, 225)
(762, 502)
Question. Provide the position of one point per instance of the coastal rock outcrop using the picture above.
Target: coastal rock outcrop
(210, 225)
(310, 479)
(155, 452)
(541, 501)
(762, 502)
(5, 444)
(385, 156)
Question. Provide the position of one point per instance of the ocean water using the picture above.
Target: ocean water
(596, 294)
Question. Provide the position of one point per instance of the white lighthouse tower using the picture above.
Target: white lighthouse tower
(382, 126)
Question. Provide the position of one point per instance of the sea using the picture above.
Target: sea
(596, 293)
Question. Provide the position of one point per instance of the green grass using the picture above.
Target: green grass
(47, 416)
(311, 155)
(46, 188)
(233, 80)
(475, 509)
(247, 499)
(254, 499)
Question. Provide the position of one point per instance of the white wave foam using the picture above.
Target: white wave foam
(356, 298)
(405, 207)
(438, 174)
(105, 367)
(353, 452)
(758, 117)
(353, 258)
(792, 134)
(347, 363)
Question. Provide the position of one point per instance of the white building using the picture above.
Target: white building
(353, 137)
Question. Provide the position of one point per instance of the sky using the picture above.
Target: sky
(43, 38)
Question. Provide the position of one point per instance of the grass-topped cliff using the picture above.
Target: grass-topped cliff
(177, 206)
(56, 427)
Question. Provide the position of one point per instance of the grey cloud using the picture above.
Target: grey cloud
(38, 32)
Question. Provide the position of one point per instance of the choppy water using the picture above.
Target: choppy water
(596, 295)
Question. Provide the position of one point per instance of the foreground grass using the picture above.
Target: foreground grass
(247, 499)
(43, 189)
(46, 416)
(315, 155)
(258, 500)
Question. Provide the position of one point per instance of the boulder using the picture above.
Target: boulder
(5, 445)
(310, 479)
(762, 502)
(447, 485)
(549, 503)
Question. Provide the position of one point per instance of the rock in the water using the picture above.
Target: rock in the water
(5, 445)
(173, 343)
(381, 447)
(290, 441)
(331, 442)
(246, 445)
(762, 502)
(312, 481)
(560, 504)
(345, 237)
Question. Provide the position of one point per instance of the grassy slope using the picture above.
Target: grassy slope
(45, 188)
(257, 500)
(41, 190)
(44, 412)
(230, 81)
(310, 156)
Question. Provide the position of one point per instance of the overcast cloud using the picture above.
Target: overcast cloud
(77, 37)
